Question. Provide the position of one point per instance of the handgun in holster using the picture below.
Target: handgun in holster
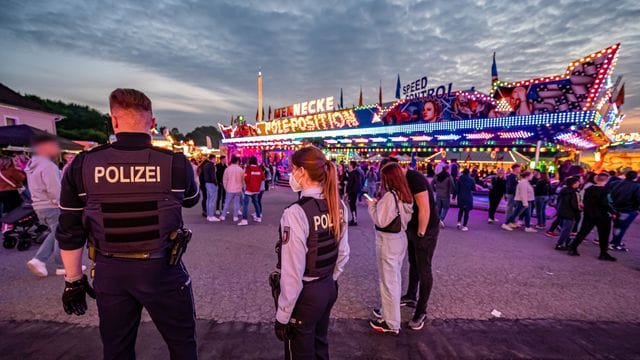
(274, 278)
(180, 238)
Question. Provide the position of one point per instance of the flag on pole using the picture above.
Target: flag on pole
(398, 87)
(380, 94)
(269, 116)
(341, 100)
(494, 69)
(620, 97)
(231, 123)
(360, 98)
(262, 114)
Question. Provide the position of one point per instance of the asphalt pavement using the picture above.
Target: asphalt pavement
(551, 305)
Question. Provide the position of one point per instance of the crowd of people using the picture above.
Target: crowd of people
(234, 185)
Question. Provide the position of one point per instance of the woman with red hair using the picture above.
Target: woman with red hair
(390, 216)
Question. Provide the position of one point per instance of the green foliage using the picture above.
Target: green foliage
(80, 121)
(199, 134)
(176, 134)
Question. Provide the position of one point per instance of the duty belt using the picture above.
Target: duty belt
(137, 255)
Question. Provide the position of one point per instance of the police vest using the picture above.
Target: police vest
(322, 246)
(130, 204)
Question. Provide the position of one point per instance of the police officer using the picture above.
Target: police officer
(314, 249)
(125, 200)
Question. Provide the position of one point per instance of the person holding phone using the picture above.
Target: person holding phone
(390, 216)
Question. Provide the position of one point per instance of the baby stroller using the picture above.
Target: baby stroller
(26, 228)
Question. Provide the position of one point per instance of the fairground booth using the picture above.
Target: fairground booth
(528, 121)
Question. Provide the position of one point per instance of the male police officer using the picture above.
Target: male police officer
(125, 199)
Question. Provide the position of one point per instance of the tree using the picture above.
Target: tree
(199, 136)
(80, 122)
(176, 134)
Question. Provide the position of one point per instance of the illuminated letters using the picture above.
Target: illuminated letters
(127, 174)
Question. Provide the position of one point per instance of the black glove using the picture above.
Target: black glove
(282, 331)
(74, 296)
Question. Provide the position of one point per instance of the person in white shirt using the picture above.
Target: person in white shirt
(232, 180)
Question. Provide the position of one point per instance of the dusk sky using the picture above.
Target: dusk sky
(198, 60)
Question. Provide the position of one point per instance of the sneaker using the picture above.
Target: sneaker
(63, 272)
(37, 267)
(417, 322)
(573, 234)
(442, 224)
(464, 228)
(377, 313)
(540, 226)
(239, 212)
(490, 221)
(353, 223)
(243, 222)
(217, 212)
(551, 234)
(235, 219)
(407, 301)
(530, 230)
(573, 252)
(458, 225)
(606, 257)
(618, 248)
(222, 218)
(595, 242)
(212, 219)
(253, 215)
(561, 247)
(257, 219)
(382, 327)
(515, 225)
(506, 227)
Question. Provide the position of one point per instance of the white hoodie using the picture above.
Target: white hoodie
(43, 180)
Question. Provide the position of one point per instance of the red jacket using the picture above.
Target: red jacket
(253, 177)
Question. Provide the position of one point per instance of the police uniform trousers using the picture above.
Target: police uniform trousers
(124, 286)
(308, 337)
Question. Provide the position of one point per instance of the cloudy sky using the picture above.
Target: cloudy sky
(198, 60)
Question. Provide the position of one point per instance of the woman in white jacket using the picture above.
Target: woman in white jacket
(524, 198)
(390, 216)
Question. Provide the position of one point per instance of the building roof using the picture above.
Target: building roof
(10, 97)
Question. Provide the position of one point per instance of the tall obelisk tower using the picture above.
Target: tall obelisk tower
(260, 106)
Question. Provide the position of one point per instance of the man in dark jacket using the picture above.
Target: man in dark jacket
(625, 198)
(354, 186)
(568, 211)
(596, 214)
(510, 191)
(220, 168)
(211, 185)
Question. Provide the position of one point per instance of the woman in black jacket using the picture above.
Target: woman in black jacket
(498, 188)
(542, 190)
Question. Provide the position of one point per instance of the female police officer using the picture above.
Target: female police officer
(314, 249)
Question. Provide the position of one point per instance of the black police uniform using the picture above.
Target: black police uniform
(125, 199)
(312, 259)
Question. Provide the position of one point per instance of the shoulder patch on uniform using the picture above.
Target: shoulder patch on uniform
(286, 234)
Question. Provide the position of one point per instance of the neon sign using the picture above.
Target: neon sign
(316, 122)
(306, 108)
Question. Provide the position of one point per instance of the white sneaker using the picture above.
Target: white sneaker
(37, 267)
(253, 215)
(239, 212)
(235, 219)
(506, 227)
(442, 224)
(257, 219)
(217, 212)
(530, 230)
(222, 218)
(62, 271)
(458, 226)
(212, 219)
(490, 221)
(464, 228)
(243, 222)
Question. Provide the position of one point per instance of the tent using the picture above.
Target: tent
(19, 136)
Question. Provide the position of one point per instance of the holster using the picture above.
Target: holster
(274, 283)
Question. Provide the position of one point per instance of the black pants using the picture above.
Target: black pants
(604, 229)
(124, 287)
(494, 201)
(420, 252)
(353, 197)
(220, 199)
(556, 223)
(463, 211)
(308, 338)
(203, 192)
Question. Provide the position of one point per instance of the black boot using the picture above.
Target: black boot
(572, 252)
(606, 257)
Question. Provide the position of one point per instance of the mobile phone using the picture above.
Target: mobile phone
(367, 197)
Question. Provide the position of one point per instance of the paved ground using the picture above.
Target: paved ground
(516, 273)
